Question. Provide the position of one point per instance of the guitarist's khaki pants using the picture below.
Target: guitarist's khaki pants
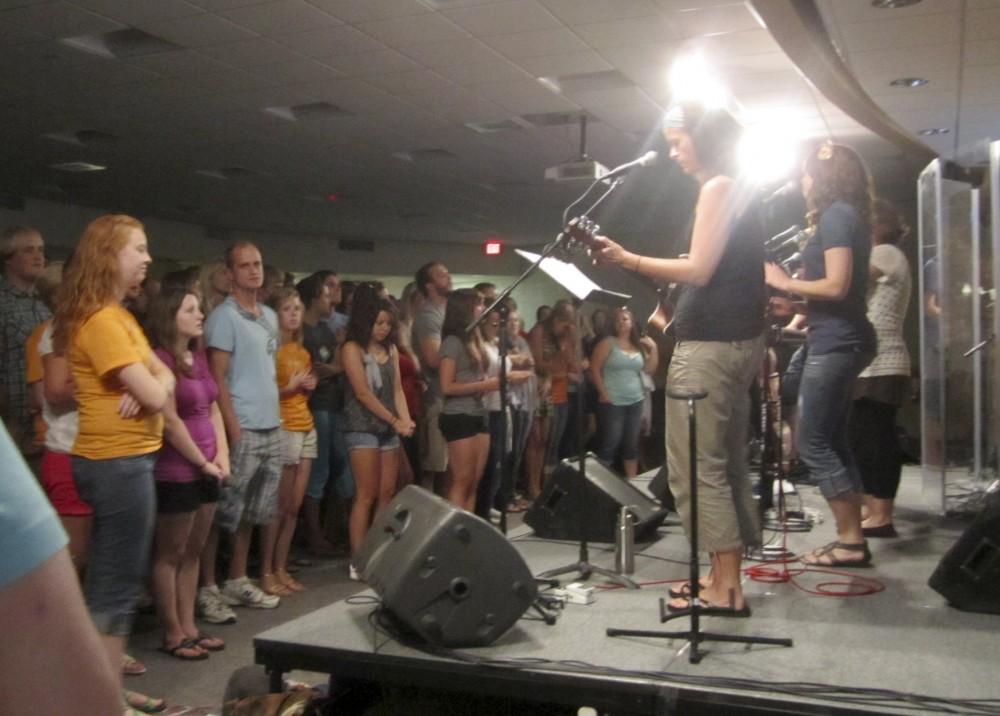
(727, 513)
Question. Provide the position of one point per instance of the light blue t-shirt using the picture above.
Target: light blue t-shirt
(622, 374)
(30, 532)
(252, 379)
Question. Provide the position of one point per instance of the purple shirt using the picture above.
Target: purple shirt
(194, 396)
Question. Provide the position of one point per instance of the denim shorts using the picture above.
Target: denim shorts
(371, 441)
(121, 492)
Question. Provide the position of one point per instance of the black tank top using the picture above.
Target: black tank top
(731, 306)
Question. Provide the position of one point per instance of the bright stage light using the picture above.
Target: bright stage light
(770, 148)
(692, 80)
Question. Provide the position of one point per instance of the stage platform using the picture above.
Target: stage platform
(850, 654)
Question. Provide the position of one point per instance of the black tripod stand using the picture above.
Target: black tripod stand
(696, 609)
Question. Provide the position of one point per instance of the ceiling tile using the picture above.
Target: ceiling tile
(537, 43)
(447, 53)
(11, 35)
(915, 31)
(281, 16)
(415, 30)
(937, 63)
(229, 81)
(981, 81)
(504, 18)
(297, 73)
(411, 83)
(178, 64)
(570, 63)
(984, 25)
(919, 99)
(135, 12)
(59, 19)
(368, 64)
(330, 41)
(735, 44)
(579, 12)
(198, 31)
(714, 20)
(619, 33)
(982, 53)
(854, 12)
(252, 53)
(473, 74)
(216, 5)
(354, 11)
(523, 97)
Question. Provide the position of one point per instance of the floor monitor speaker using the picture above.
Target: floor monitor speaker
(568, 502)
(659, 487)
(969, 573)
(444, 573)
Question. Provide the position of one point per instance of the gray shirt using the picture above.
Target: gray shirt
(465, 372)
(252, 342)
(427, 324)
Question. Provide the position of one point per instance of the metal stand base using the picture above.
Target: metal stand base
(586, 570)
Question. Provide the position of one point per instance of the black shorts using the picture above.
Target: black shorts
(177, 497)
(461, 426)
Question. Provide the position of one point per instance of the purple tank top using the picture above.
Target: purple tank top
(194, 396)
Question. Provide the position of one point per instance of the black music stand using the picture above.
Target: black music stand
(694, 635)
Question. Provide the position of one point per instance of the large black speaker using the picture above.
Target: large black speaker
(559, 511)
(445, 573)
(659, 487)
(969, 573)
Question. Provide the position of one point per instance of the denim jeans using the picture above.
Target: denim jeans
(619, 428)
(824, 409)
(489, 485)
(331, 454)
(520, 430)
(123, 496)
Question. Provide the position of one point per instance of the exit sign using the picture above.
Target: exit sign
(493, 247)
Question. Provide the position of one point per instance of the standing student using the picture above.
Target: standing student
(719, 324)
(434, 282)
(296, 381)
(375, 411)
(191, 466)
(121, 389)
(840, 342)
(617, 365)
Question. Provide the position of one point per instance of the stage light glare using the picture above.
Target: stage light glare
(692, 80)
(769, 150)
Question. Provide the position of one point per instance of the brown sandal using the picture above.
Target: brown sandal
(824, 557)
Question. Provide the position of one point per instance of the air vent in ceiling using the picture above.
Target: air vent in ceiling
(587, 82)
(503, 125)
(423, 155)
(555, 119)
(120, 44)
(227, 173)
(356, 245)
(83, 137)
(308, 111)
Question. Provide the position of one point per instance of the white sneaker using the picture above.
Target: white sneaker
(244, 593)
(354, 574)
(212, 609)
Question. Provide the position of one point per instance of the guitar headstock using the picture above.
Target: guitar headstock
(580, 232)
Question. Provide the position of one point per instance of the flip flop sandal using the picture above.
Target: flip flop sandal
(132, 666)
(209, 642)
(823, 557)
(713, 610)
(141, 702)
(188, 645)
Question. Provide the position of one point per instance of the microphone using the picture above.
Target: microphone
(784, 190)
(644, 161)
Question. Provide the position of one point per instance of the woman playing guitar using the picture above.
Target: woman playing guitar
(719, 324)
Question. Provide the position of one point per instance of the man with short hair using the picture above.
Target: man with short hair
(242, 339)
(22, 252)
(434, 283)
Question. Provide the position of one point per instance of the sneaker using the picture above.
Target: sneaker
(212, 609)
(244, 593)
(354, 574)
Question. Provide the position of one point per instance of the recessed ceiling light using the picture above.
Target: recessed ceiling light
(932, 131)
(78, 167)
(909, 82)
(892, 4)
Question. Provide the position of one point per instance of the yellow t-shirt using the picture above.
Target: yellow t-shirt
(106, 342)
(34, 371)
(295, 415)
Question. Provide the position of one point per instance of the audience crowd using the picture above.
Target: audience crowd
(167, 419)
